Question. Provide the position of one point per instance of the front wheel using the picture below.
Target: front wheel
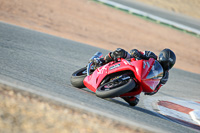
(78, 77)
(115, 89)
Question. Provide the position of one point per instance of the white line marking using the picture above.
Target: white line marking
(195, 115)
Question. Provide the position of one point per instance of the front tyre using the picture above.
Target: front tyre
(78, 77)
(112, 89)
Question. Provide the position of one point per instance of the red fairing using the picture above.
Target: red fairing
(92, 81)
(148, 84)
(147, 74)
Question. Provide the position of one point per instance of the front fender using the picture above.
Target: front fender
(93, 81)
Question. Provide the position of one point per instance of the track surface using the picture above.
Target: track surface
(47, 62)
(174, 17)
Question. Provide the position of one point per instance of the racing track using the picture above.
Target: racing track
(46, 62)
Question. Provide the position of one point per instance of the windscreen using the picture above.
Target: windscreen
(156, 71)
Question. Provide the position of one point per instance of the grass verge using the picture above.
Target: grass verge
(24, 112)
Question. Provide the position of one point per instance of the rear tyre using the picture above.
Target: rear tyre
(78, 77)
(111, 89)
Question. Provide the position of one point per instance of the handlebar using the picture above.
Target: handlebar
(96, 55)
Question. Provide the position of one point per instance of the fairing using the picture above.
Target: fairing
(147, 74)
(152, 75)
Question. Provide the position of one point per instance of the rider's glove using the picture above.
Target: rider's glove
(135, 53)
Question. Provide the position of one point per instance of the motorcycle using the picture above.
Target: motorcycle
(119, 78)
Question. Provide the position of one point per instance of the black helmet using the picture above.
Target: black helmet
(167, 59)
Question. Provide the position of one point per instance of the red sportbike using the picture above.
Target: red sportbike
(120, 78)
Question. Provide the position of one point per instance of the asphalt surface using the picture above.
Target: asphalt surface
(174, 17)
(47, 62)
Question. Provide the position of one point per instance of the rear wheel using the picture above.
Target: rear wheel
(115, 88)
(78, 77)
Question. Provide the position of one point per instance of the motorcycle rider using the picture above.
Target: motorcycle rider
(166, 58)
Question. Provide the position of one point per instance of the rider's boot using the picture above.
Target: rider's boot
(133, 100)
